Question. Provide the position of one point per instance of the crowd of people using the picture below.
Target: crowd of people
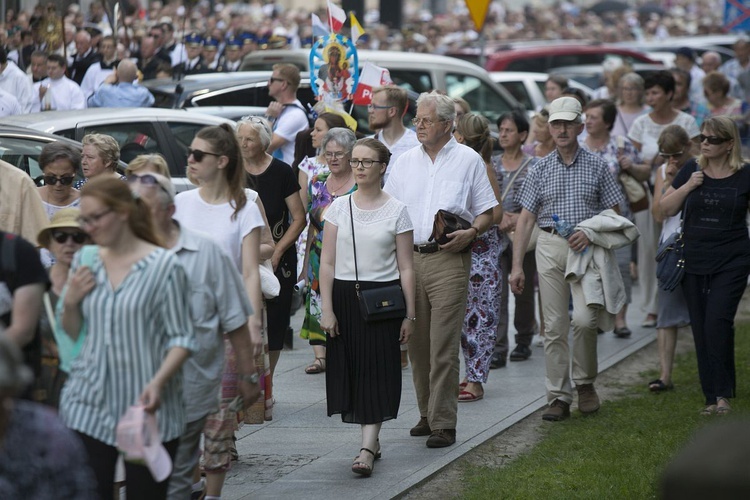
(122, 293)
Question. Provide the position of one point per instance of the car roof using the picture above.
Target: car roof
(51, 121)
(521, 52)
(505, 76)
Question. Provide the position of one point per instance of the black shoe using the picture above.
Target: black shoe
(422, 428)
(520, 353)
(440, 438)
(497, 361)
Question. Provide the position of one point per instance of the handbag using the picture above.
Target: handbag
(670, 258)
(446, 223)
(269, 283)
(377, 304)
(635, 192)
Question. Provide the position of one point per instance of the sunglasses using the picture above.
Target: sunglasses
(667, 156)
(712, 139)
(198, 155)
(147, 180)
(78, 237)
(66, 180)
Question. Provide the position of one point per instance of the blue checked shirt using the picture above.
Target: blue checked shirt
(574, 192)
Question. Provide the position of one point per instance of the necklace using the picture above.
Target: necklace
(333, 191)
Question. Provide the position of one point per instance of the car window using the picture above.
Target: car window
(561, 60)
(412, 80)
(529, 64)
(518, 90)
(482, 98)
(252, 95)
(184, 133)
(135, 138)
(22, 153)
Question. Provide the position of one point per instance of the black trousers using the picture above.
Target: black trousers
(139, 482)
(712, 302)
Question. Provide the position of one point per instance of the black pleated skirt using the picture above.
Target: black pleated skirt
(363, 363)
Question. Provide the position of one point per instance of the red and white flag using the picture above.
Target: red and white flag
(370, 77)
(336, 17)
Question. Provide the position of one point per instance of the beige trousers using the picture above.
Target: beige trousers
(551, 259)
(442, 283)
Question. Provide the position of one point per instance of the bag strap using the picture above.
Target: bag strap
(684, 205)
(513, 179)
(50, 312)
(354, 246)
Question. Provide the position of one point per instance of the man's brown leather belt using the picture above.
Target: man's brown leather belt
(427, 248)
(550, 230)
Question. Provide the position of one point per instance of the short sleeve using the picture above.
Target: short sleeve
(29, 265)
(684, 174)
(636, 130)
(403, 224)
(231, 296)
(333, 214)
(250, 218)
(528, 196)
(289, 183)
(174, 307)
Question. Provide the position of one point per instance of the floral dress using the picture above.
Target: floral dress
(312, 167)
(320, 200)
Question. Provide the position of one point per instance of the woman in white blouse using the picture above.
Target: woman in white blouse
(363, 376)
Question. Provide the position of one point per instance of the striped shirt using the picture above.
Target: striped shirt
(130, 330)
(574, 192)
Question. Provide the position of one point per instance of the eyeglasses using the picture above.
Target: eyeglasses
(198, 155)
(365, 162)
(78, 237)
(93, 218)
(563, 124)
(335, 154)
(274, 79)
(426, 121)
(146, 180)
(667, 156)
(372, 107)
(66, 180)
(712, 139)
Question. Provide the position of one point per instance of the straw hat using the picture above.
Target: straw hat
(64, 218)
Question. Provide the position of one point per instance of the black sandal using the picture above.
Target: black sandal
(363, 468)
(317, 366)
(659, 386)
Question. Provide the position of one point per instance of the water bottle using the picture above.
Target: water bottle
(564, 228)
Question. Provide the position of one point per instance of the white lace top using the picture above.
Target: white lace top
(375, 231)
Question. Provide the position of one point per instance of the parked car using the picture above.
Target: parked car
(137, 130)
(591, 74)
(22, 147)
(528, 88)
(544, 58)
(415, 72)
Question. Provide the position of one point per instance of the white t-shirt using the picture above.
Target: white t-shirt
(291, 121)
(646, 132)
(375, 232)
(216, 221)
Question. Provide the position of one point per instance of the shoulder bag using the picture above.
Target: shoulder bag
(634, 191)
(670, 257)
(377, 304)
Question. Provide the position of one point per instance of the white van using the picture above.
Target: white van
(416, 72)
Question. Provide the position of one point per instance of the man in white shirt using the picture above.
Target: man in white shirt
(15, 82)
(99, 71)
(9, 105)
(386, 115)
(441, 174)
(57, 92)
(286, 113)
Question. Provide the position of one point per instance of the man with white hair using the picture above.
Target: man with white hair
(440, 174)
(119, 90)
(220, 306)
(84, 57)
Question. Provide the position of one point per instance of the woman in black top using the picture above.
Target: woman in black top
(714, 191)
(278, 189)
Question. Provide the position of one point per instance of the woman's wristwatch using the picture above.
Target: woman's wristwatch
(250, 378)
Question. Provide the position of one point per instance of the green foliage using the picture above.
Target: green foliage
(620, 451)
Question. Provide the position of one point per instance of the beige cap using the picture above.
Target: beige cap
(565, 108)
(64, 218)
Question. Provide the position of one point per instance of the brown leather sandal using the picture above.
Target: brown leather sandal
(317, 366)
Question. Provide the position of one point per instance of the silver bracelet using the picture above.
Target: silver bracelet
(411, 319)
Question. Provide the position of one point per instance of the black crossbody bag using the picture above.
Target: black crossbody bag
(377, 304)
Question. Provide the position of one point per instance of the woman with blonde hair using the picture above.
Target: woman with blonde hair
(483, 301)
(154, 163)
(713, 193)
(540, 142)
(99, 156)
(630, 103)
(133, 299)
